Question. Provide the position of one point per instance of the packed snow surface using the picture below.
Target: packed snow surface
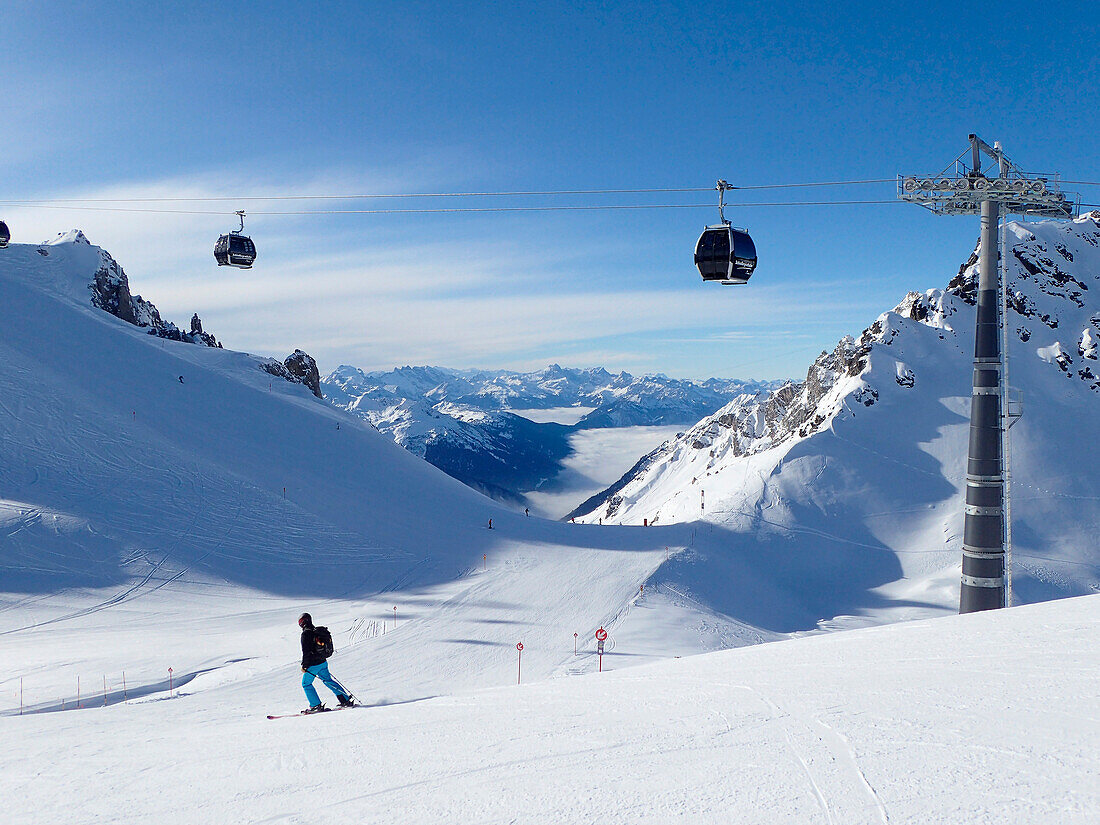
(968, 719)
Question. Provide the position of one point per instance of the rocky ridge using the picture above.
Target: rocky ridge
(1054, 318)
(110, 292)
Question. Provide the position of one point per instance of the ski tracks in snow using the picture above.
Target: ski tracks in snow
(830, 765)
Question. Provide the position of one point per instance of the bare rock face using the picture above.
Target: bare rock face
(110, 290)
(1052, 279)
(298, 368)
(304, 369)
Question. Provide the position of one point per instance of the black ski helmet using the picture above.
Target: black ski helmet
(305, 620)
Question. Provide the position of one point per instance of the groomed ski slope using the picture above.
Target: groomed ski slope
(987, 718)
(150, 523)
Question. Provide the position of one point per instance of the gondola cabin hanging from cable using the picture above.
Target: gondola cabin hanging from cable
(723, 253)
(5, 235)
(235, 249)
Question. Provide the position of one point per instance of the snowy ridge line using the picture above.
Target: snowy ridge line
(869, 450)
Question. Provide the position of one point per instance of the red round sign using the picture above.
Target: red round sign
(519, 646)
(601, 634)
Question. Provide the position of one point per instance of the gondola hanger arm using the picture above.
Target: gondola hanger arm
(722, 188)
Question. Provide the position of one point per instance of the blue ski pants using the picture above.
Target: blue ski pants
(319, 672)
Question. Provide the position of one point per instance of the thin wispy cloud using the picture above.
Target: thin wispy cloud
(377, 295)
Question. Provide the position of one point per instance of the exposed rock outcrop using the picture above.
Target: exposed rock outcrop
(1052, 269)
(304, 369)
(110, 290)
(298, 368)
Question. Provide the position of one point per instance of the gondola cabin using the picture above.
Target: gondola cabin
(5, 235)
(725, 254)
(236, 250)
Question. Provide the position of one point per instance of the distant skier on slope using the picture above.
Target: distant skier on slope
(316, 647)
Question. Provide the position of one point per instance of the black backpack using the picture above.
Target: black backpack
(323, 639)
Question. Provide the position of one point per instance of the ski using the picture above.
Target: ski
(311, 713)
(299, 713)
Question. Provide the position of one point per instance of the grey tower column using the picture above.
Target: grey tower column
(983, 566)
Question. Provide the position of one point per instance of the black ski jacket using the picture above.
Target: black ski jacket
(310, 654)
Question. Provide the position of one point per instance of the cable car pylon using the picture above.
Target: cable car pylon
(968, 190)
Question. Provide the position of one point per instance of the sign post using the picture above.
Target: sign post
(601, 637)
(519, 664)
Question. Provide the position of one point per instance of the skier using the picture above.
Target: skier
(314, 666)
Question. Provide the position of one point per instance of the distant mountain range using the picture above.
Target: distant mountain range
(461, 420)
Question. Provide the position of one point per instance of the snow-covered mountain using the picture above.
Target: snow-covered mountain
(160, 537)
(109, 290)
(168, 491)
(459, 420)
(869, 450)
(652, 399)
(495, 452)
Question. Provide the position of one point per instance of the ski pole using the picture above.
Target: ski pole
(347, 692)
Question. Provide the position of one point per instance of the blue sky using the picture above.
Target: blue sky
(134, 99)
